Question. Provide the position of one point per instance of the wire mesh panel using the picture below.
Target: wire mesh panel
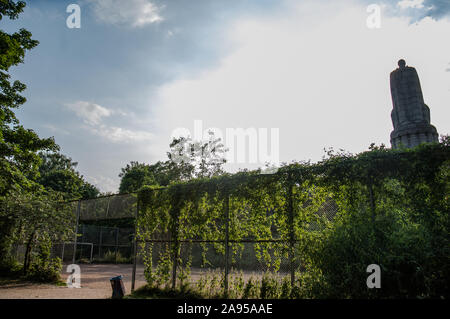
(260, 257)
(109, 207)
(18, 252)
(65, 251)
(110, 244)
(202, 264)
(192, 248)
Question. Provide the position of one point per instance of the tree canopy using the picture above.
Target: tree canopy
(34, 177)
(187, 160)
(19, 160)
(57, 172)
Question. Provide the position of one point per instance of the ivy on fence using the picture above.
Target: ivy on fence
(328, 220)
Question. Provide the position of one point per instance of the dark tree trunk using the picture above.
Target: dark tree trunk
(27, 258)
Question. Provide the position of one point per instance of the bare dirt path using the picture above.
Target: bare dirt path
(94, 284)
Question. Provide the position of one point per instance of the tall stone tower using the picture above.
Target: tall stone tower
(410, 115)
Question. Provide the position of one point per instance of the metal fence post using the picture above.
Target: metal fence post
(133, 275)
(291, 230)
(100, 244)
(82, 240)
(117, 244)
(175, 265)
(175, 247)
(227, 238)
(76, 232)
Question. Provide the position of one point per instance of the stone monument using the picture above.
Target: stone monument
(410, 115)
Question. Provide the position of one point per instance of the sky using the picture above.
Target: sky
(116, 89)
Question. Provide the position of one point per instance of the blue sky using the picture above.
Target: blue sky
(114, 90)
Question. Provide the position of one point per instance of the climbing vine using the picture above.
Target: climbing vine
(293, 215)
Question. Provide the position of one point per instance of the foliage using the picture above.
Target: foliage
(113, 258)
(251, 289)
(43, 268)
(19, 160)
(187, 160)
(198, 159)
(134, 176)
(30, 209)
(209, 287)
(57, 172)
(36, 220)
(386, 207)
(18, 146)
(151, 292)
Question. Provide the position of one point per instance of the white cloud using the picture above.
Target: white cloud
(91, 113)
(55, 129)
(118, 134)
(105, 184)
(417, 4)
(318, 74)
(135, 13)
(94, 114)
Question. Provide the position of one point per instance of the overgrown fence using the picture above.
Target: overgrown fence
(228, 229)
(310, 226)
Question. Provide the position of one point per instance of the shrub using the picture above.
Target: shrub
(45, 270)
(251, 290)
(111, 257)
(412, 256)
(269, 287)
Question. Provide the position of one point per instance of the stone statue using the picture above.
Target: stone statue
(410, 115)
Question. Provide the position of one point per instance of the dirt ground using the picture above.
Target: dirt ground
(94, 284)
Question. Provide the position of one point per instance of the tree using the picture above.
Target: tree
(187, 160)
(18, 146)
(57, 172)
(27, 211)
(198, 159)
(134, 176)
(41, 219)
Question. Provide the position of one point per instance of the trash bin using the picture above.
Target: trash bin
(117, 287)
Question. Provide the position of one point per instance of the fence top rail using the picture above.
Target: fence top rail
(78, 243)
(218, 241)
(100, 197)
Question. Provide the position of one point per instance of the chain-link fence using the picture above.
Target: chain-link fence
(106, 234)
(104, 230)
(99, 244)
(224, 262)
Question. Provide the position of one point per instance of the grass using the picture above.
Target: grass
(108, 258)
(147, 292)
(20, 281)
(12, 274)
